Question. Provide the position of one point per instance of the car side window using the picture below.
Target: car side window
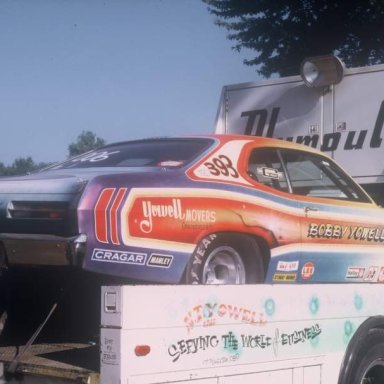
(265, 167)
(302, 173)
(314, 175)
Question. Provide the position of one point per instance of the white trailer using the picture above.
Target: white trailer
(243, 334)
(224, 334)
(344, 119)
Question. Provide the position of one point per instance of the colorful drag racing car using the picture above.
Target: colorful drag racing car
(204, 209)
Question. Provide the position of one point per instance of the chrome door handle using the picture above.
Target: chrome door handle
(310, 209)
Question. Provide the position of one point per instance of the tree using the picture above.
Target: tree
(21, 166)
(284, 32)
(3, 169)
(86, 141)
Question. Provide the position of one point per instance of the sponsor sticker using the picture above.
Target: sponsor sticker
(284, 277)
(380, 278)
(308, 270)
(355, 273)
(111, 256)
(162, 261)
(371, 273)
(288, 266)
(270, 173)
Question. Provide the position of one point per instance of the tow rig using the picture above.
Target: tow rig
(57, 330)
(214, 334)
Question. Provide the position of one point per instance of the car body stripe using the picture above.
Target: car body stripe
(283, 204)
(318, 248)
(100, 214)
(113, 215)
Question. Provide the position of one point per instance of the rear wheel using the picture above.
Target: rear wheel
(226, 258)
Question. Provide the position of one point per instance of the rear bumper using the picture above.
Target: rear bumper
(50, 250)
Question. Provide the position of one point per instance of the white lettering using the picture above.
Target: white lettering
(174, 211)
(150, 211)
(118, 257)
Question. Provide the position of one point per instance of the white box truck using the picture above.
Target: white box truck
(344, 119)
(226, 334)
(274, 334)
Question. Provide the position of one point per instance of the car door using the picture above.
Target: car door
(342, 230)
(280, 213)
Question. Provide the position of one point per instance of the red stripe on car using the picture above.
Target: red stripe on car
(100, 214)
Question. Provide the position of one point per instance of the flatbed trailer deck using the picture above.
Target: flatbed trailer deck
(51, 363)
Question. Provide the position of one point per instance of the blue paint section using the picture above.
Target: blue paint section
(291, 200)
(138, 263)
(352, 264)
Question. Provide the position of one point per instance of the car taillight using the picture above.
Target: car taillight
(36, 210)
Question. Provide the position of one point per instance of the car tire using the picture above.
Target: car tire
(226, 258)
(369, 359)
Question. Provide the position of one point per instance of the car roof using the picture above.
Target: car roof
(267, 142)
(258, 140)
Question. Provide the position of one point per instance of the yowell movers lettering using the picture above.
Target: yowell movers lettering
(107, 213)
(173, 210)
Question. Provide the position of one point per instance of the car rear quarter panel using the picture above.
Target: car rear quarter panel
(162, 218)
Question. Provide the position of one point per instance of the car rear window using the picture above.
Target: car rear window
(143, 153)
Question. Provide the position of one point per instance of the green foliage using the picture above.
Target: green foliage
(86, 141)
(21, 166)
(283, 33)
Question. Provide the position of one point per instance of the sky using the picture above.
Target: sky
(123, 69)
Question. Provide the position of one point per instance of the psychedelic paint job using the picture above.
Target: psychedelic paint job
(154, 223)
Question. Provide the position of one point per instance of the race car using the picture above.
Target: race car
(214, 209)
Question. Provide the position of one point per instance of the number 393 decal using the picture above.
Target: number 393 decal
(220, 165)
